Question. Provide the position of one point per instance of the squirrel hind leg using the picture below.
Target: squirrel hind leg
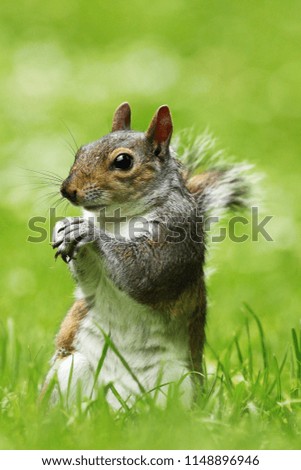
(71, 375)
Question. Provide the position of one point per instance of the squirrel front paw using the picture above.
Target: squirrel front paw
(70, 234)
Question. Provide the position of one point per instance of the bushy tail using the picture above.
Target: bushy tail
(219, 184)
(217, 190)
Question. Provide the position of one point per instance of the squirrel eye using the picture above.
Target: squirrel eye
(123, 161)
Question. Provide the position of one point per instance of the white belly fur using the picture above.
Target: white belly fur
(156, 349)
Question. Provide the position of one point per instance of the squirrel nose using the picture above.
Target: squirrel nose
(69, 193)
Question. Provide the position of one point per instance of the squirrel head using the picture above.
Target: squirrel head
(124, 166)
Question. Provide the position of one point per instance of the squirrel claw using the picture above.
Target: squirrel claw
(66, 258)
(56, 243)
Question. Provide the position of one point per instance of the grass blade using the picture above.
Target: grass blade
(99, 366)
(262, 341)
(113, 347)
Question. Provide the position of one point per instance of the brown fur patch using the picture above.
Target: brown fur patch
(198, 183)
(69, 328)
(196, 331)
(192, 304)
(186, 302)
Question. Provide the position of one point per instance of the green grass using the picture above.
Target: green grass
(233, 67)
(244, 403)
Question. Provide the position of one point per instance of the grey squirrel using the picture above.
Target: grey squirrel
(142, 290)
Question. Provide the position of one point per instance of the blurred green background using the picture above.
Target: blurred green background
(233, 67)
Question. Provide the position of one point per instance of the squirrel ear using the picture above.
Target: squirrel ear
(160, 129)
(122, 118)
